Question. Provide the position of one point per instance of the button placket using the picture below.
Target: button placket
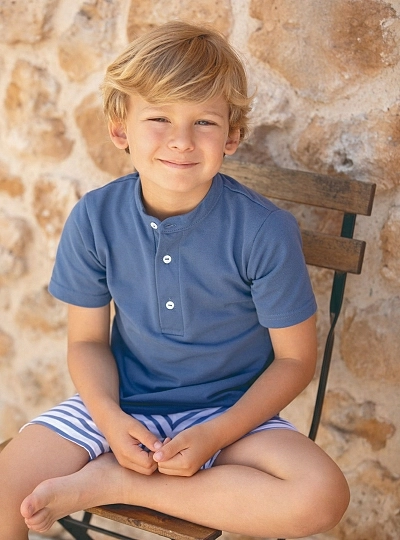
(168, 285)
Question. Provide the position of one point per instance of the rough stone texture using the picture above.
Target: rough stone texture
(146, 15)
(326, 76)
(390, 235)
(105, 155)
(41, 313)
(42, 381)
(352, 419)
(375, 501)
(6, 348)
(354, 39)
(52, 202)
(17, 17)
(85, 47)
(14, 238)
(370, 343)
(335, 148)
(36, 127)
(9, 184)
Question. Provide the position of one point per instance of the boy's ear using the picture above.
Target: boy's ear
(118, 135)
(232, 142)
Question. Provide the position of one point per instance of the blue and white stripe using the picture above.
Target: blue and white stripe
(72, 421)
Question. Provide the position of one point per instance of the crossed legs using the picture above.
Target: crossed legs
(273, 483)
(34, 455)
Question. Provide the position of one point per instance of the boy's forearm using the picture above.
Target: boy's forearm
(284, 380)
(94, 373)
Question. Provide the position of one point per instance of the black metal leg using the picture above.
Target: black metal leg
(75, 528)
(78, 529)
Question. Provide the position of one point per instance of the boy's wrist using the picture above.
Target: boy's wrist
(106, 413)
(225, 429)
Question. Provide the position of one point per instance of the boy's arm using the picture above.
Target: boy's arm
(295, 351)
(94, 373)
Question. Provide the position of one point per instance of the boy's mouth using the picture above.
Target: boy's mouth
(178, 164)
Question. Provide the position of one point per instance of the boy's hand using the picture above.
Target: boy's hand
(126, 440)
(187, 452)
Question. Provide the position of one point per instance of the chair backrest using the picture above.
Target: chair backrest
(338, 252)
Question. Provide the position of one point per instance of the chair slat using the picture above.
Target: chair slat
(155, 522)
(343, 194)
(333, 252)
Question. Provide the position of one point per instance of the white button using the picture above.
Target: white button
(167, 259)
(170, 305)
(153, 225)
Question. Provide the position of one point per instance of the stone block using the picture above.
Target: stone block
(90, 119)
(6, 348)
(42, 314)
(15, 236)
(26, 22)
(87, 45)
(144, 15)
(374, 506)
(43, 383)
(52, 201)
(36, 127)
(370, 344)
(352, 419)
(365, 146)
(390, 235)
(354, 40)
(9, 184)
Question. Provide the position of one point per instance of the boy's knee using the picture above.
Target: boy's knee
(321, 509)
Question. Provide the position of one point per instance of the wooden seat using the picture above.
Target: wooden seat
(338, 251)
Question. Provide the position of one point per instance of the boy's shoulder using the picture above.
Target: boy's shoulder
(254, 211)
(247, 196)
(117, 194)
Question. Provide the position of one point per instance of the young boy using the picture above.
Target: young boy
(214, 329)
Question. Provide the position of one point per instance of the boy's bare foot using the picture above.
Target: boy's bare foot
(58, 497)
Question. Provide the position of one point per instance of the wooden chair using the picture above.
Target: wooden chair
(339, 252)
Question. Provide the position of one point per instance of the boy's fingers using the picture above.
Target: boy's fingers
(143, 463)
(142, 434)
(169, 450)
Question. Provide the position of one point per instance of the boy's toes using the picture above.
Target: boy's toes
(40, 522)
(33, 503)
(27, 509)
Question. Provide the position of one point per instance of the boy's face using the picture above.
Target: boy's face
(177, 148)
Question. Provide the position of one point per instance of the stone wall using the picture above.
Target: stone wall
(327, 77)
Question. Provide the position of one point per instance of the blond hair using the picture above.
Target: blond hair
(178, 62)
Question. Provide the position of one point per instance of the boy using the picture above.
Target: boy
(214, 329)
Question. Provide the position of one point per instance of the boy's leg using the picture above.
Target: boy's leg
(272, 483)
(34, 455)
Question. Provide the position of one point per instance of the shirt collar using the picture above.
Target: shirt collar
(184, 221)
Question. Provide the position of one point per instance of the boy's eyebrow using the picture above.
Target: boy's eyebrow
(160, 108)
(213, 113)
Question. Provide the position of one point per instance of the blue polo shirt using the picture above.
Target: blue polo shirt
(194, 294)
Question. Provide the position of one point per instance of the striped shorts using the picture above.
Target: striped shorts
(72, 421)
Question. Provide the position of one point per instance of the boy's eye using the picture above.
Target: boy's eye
(158, 119)
(205, 123)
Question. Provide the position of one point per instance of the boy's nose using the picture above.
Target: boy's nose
(181, 139)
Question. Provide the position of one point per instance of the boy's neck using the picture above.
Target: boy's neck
(163, 210)
(168, 204)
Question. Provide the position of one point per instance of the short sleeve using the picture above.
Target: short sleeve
(79, 275)
(281, 286)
